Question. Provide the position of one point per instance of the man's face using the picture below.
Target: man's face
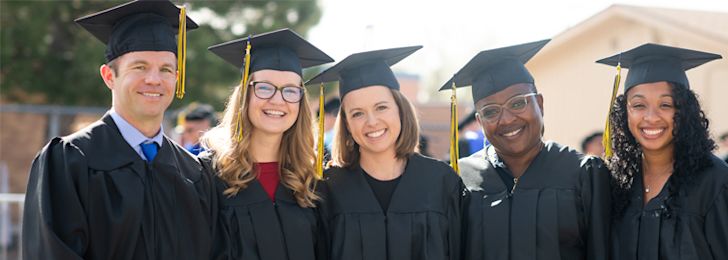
(193, 130)
(143, 85)
(517, 129)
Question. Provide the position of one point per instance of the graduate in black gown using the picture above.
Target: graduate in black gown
(382, 199)
(530, 199)
(120, 188)
(670, 191)
(262, 152)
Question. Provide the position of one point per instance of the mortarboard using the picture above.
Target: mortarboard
(365, 69)
(142, 25)
(491, 71)
(282, 50)
(487, 73)
(653, 63)
(649, 63)
(357, 71)
(332, 106)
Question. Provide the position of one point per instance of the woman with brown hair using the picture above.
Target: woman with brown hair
(262, 152)
(382, 199)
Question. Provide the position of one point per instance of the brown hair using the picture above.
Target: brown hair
(345, 151)
(234, 163)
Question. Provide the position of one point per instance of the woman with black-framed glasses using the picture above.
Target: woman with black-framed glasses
(262, 152)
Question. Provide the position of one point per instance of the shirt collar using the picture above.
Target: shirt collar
(132, 135)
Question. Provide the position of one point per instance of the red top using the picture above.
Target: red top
(268, 177)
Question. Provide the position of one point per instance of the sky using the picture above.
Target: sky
(453, 31)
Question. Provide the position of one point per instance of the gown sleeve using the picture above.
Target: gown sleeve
(596, 199)
(221, 244)
(54, 220)
(458, 197)
(323, 240)
(716, 226)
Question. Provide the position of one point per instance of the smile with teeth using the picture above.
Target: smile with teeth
(653, 131)
(376, 134)
(274, 113)
(147, 94)
(512, 133)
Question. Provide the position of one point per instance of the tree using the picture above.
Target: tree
(47, 59)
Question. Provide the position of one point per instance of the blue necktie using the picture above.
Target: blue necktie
(149, 149)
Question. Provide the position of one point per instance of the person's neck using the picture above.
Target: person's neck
(518, 163)
(658, 162)
(149, 127)
(265, 147)
(382, 166)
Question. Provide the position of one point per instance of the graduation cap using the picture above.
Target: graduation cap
(282, 50)
(365, 69)
(467, 120)
(649, 63)
(653, 63)
(332, 106)
(487, 73)
(142, 25)
(357, 71)
(195, 111)
(491, 71)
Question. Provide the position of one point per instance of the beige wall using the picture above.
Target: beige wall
(576, 90)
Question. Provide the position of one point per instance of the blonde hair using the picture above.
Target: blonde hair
(234, 163)
(345, 151)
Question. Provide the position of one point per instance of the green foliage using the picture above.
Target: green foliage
(47, 59)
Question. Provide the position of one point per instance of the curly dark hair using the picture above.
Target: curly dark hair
(692, 153)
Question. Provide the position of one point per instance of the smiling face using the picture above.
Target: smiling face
(514, 134)
(650, 115)
(142, 84)
(273, 116)
(372, 118)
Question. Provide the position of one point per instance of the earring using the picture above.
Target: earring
(349, 144)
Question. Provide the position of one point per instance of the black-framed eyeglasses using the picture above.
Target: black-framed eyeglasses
(266, 90)
(516, 105)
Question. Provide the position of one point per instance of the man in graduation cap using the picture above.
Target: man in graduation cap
(530, 199)
(120, 189)
(193, 122)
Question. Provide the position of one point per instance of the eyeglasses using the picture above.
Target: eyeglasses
(266, 90)
(516, 105)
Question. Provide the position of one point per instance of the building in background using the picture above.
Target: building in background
(577, 90)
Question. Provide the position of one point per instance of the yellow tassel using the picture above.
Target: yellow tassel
(454, 149)
(244, 85)
(320, 151)
(181, 53)
(607, 138)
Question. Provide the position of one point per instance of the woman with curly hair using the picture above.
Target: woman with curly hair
(262, 152)
(670, 192)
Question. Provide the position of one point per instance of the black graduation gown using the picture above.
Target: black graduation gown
(254, 227)
(559, 209)
(423, 220)
(91, 196)
(697, 229)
